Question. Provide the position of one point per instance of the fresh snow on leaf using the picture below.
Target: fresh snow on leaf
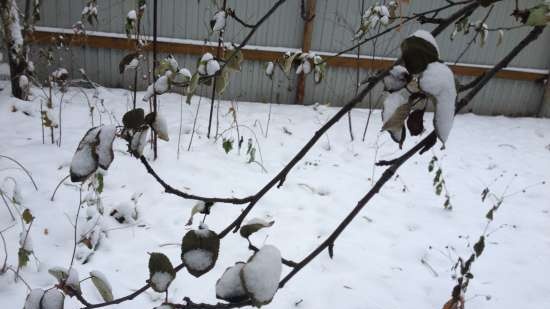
(229, 287)
(52, 299)
(60, 273)
(269, 68)
(73, 280)
(85, 160)
(212, 66)
(438, 81)
(139, 140)
(104, 149)
(261, 275)
(396, 79)
(161, 280)
(394, 113)
(33, 299)
(198, 259)
(254, 225)
(160, 127)
(160, 86)
(218, 21)
(132, 15)
(427, 36)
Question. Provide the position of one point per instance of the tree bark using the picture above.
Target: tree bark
(15, 47)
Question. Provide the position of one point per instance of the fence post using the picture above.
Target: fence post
(544, 109)
(309, 16)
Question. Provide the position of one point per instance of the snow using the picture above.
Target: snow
(72, 280)
(438, 80)
(139, 140)
(376, 260)
(160, 86)
(219, 21)
(212, 66)
(25, 241)
(52, 299)
(427, 36)
(269, 68)
(396, 79)
(203, 231)
(198, 259)
(23, 81)
(161, 280)
(15, 27)
(229, 286)
(261, 274)
(132, 15)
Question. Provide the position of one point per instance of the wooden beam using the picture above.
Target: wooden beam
(309, 19)
(258, 54)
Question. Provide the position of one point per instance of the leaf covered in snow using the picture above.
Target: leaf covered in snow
(158, 124)
(200, 207)
(254, 225)
(161, 272)
(261, 274)
(394, 114)
(229, 287)
(419, 50)
(199, 250)
(94, 150)
(52, 299)
(59, 273)
(438, 81)
(33, 299)
(128, 62)
(102, 285)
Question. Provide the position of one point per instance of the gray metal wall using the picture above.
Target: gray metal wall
(334, 24)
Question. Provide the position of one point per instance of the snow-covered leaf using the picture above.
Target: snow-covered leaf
(438, 81)
(102, 285)
(288, 61)
(200, 207)
(199, 250)
(161, 272)
(261, 274)
(129, 61)
(217, 23)
(394, 113)
(229, 287)
(27, 216)
(538, 15)
(104, 149)
(269, 69)
(59, 273)
(138, 142)
(33, 299)
(159, 87)
(158, 123)
(254, 225)
(182, 76)
(397, 79)
(419, 50)
(52, 299)
(85, 159)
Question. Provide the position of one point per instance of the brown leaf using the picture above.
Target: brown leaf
(415, 122)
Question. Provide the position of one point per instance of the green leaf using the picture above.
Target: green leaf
(100, 184)
(417, 53)
(222, 80)
(235, 61)
(27, 216)
(199, 250)
(537, 16)
(160, 266)
(102, 285)
(253, 226)
(227, 145)
(479, 246)
(23, 257)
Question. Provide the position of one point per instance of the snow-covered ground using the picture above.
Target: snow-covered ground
(378, 259)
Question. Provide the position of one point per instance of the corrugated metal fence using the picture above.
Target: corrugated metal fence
(334, 24)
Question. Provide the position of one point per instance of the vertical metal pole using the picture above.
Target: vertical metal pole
(155, 13)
